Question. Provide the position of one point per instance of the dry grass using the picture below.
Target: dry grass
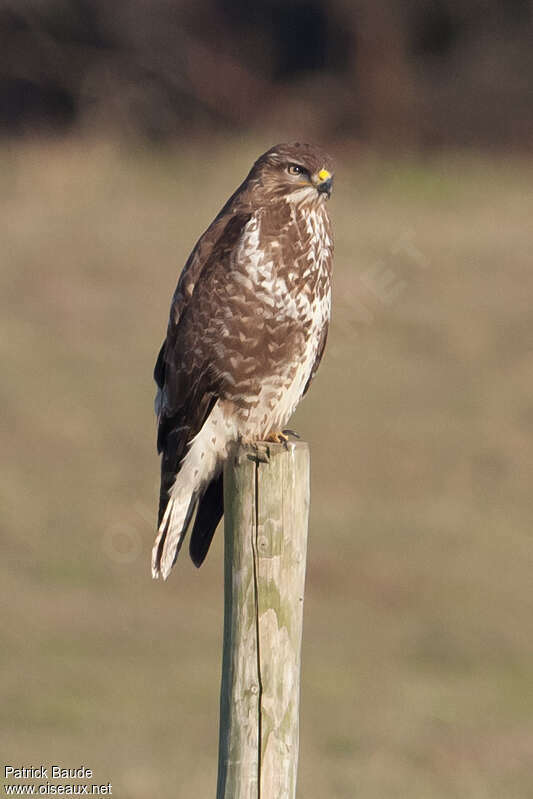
(418, 653)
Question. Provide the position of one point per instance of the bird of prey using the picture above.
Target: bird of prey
(247, 330)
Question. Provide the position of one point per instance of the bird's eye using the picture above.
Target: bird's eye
(296, 169)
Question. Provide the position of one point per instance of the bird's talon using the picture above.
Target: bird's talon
(277, 437)
(291, 434)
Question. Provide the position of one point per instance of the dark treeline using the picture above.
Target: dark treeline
(434, 73)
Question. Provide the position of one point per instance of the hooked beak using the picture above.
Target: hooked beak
(325, 186)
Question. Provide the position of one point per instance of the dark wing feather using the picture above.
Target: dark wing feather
(176, 439)
(182, 371)
(210, 512)
(159, 369)
(319, 354)
(204, 249)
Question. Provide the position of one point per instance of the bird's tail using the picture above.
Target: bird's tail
(171, 533)
(200, 466)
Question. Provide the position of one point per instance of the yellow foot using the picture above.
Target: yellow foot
(281, 436)
(277, 437)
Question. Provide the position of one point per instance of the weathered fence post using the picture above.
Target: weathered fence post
(266, 506)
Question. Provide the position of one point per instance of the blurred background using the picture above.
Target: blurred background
(422, 74)
(124, 127)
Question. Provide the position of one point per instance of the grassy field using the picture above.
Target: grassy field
(418, 643)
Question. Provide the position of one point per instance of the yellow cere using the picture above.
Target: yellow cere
(324, 174)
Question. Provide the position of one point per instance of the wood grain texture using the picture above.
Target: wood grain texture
(266, 500)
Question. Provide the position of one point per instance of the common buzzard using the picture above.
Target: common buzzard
(247, 329)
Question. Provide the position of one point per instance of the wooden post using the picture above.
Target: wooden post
(266, 507)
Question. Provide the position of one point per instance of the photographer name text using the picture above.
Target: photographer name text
(50, 788)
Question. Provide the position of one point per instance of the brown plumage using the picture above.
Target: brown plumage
(247, 329)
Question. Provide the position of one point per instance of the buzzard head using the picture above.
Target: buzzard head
(294, 172)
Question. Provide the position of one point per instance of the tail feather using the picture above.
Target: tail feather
(171, 535)
(210, 512)
(196, 479)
